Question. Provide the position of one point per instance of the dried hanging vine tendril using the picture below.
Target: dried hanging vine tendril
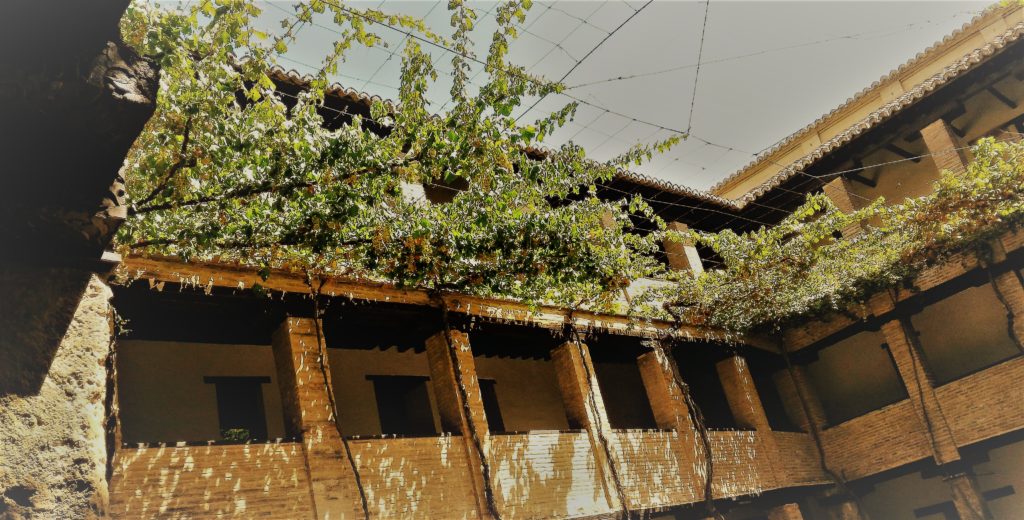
(453, 357)
(314, 293)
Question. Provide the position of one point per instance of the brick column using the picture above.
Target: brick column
(789, 382)
(307, 409)
(942, 143)
(839, 191)
(970, 503)
(746, 407)
(459, 413)
(785, 512)
(584, 407)
(682, 256)
(1008, 284)
(666, 397)
(920, 385)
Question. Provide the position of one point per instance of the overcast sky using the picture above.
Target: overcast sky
(767, 68)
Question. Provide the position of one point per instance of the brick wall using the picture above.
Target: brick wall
(234, 481)
(546, 475)
(985, 404)
(877, 441)
(799, 459)
(425, 475)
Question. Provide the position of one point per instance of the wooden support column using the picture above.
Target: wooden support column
(794, 384)
(462, 413)
(967, 498)
(584, 407)
(308, 413)
(785, 512)
(682, 256)
(840, 191)
(943, 143)
(668, 402)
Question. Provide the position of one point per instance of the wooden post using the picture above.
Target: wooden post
(584, 407)
(943, 144)
(308, 413)
(462, 412)
(682, 256)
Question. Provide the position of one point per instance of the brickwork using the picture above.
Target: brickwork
(307, 408)
(789, 383)
(682, 256)
(840, 192)
(233, 481)
(967, 497)
(746, 406)
(985, 404)
(943, 146)
(1008, 284)
(668, 403)
(921, 389)
(424, 477)
(460, 413)
(798, 459)
(547, 475)
(584, 407)
(785, 512)
(883, 439)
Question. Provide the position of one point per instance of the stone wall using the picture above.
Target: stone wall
(53, 385)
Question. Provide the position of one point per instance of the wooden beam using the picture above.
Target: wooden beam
(205, 275)
(1001, 97)
(902, 153)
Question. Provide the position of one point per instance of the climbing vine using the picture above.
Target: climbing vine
(803, 267)
(232, 169)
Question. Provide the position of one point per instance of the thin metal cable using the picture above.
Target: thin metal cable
(696, 77)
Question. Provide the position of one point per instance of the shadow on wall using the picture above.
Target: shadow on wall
(39, 305)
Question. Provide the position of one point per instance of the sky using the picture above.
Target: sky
(767, 68)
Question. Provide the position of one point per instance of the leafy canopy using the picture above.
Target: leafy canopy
(231, 169)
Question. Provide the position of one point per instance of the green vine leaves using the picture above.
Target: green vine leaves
(231, 169)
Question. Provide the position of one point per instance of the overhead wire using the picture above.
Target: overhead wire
(700, 54)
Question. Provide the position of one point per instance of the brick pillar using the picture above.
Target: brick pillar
(942, 143)
(845, 509)
(307, 409)
(839, 191)
(682, 256)
(462, 414)
(967, 498)
(746, 407)
(666, 397)
(785, 512)
(584, 407)
(920, 387)
(789, 382)
(1008, 284)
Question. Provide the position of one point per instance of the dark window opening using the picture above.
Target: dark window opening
(403, 405)
(495, 424)
(697, 367)
(624, 395)
(240, 408)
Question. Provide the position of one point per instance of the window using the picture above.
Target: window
(490, 397)
(403, 405)
(240, 407)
